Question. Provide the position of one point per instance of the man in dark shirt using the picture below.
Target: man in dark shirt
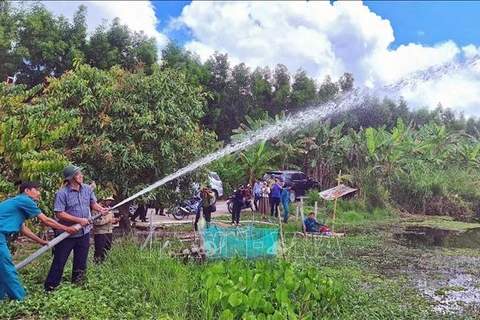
(72, 205)
(238, 200)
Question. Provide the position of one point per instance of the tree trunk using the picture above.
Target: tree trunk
(124, 214)
(125, 221)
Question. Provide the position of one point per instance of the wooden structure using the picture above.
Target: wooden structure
(319, 235)
(334, 193)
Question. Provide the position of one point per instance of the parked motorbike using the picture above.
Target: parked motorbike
(247, 203)
(186, 208)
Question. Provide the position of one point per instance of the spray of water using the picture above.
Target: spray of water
(436, 72)
(315, 114)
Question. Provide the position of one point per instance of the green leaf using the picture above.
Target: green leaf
(211, 281)
(254, 299)
(268, 307)
(227, 315)
(235, 299)
(281, 294)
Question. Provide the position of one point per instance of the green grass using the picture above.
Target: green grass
(376, 272)
(444, 222)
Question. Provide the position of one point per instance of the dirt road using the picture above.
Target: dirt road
(169, 219)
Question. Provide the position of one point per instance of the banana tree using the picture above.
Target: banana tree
(257, 160)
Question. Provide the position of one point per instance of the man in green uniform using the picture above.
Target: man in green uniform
(13, 213)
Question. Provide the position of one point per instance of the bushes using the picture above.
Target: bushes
(241, 289)
(313, 196)
(453, 192)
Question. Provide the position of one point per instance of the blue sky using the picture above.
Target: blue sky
(426, 22)
(165, 10)
(431, 22)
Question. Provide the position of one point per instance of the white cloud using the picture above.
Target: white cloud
(471, 51)
(329, 39)
(138, 15)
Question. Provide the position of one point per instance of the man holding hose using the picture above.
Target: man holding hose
(13, 213)
(72, 206)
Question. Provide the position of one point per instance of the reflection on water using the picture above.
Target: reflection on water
(427, 236)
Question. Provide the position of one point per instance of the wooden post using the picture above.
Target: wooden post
(335, 205)
(324, 210)
(301, 207)
(302, 212)
(282, 243)
(315, 209)
(297, 213)
(149, 239)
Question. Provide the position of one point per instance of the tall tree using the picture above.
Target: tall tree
(10, 55)
(35, 44)
(42, 39)
(328, 90)
(346, 82)
(304, 91)
(281, 86)
(219, 85)
(135, 127)
(240, 93)
(119, 45)
(261, 91)
(176, 57)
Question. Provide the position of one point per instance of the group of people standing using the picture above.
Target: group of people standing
(72, 205)
(269, 194)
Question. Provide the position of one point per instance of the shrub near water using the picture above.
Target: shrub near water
(452, 191)
(267, 289)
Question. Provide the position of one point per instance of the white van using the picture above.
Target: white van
(216, 183)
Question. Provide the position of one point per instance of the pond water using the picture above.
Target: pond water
(452, 283)
(451, 292)
(428, 236)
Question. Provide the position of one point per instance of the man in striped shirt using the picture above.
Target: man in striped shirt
(72, 205)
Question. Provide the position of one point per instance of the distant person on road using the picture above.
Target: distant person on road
(208, 201)
(285, 198)
(72, 206)
(103, 232)
(257, 192)
(13, 213)
(238, 201)
(140, 212)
